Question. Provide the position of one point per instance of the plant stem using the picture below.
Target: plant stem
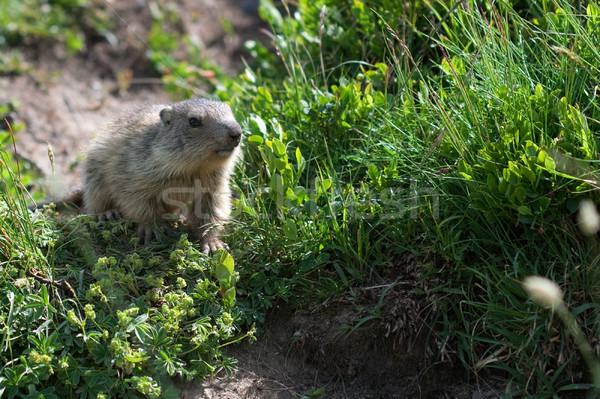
(582, 344)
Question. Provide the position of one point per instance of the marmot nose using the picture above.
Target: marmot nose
(235, 135)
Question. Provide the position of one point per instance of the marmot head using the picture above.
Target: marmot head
(201, 126)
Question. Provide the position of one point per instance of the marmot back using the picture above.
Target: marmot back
(149, 163)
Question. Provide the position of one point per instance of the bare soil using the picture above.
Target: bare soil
(325, 350)
(303, 353)
(313, 352)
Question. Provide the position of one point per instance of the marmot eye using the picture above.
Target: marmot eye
(195, 122)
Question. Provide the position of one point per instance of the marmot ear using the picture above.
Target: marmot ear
(165, 115)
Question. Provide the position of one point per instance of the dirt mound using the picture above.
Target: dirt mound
(376, 344)
(304, 354)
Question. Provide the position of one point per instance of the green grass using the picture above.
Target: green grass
(464, 133)
(477, 155)
(39, 22)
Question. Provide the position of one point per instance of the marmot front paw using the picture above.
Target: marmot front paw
(212, 244)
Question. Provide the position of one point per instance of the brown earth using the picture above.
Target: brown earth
(308, 353)
(325, 350)
(311, 352)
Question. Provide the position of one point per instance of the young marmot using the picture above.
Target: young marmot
(151, 163)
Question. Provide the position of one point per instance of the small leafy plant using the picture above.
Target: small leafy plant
(118, 325)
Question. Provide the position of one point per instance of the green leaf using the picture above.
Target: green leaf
(541, 158)
(341, 274)
(299, 161)
(74, 40)
(256, 139)
(263, 97)
(510, 176)
(543, 203)
(491, 181)
(322, 185)
(278, 148)
(464, 167)
(502, 92)
(531, 149)
(281, 165)
(300, 194)
(528, 173)
(256, 122)
(549, 163)
(229, 297)
(519, 195)
(374, 173)
(593, 11)
(539, 91)
(224, 265)
(250, 75)
(290, 230)
(276, 185)
(270, 13)
(524, 210)
(514, 168)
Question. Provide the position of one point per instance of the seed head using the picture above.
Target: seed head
(51, 156)
(588, 218)
(543, 291)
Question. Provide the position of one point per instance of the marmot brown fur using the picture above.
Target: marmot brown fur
(151, 163)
